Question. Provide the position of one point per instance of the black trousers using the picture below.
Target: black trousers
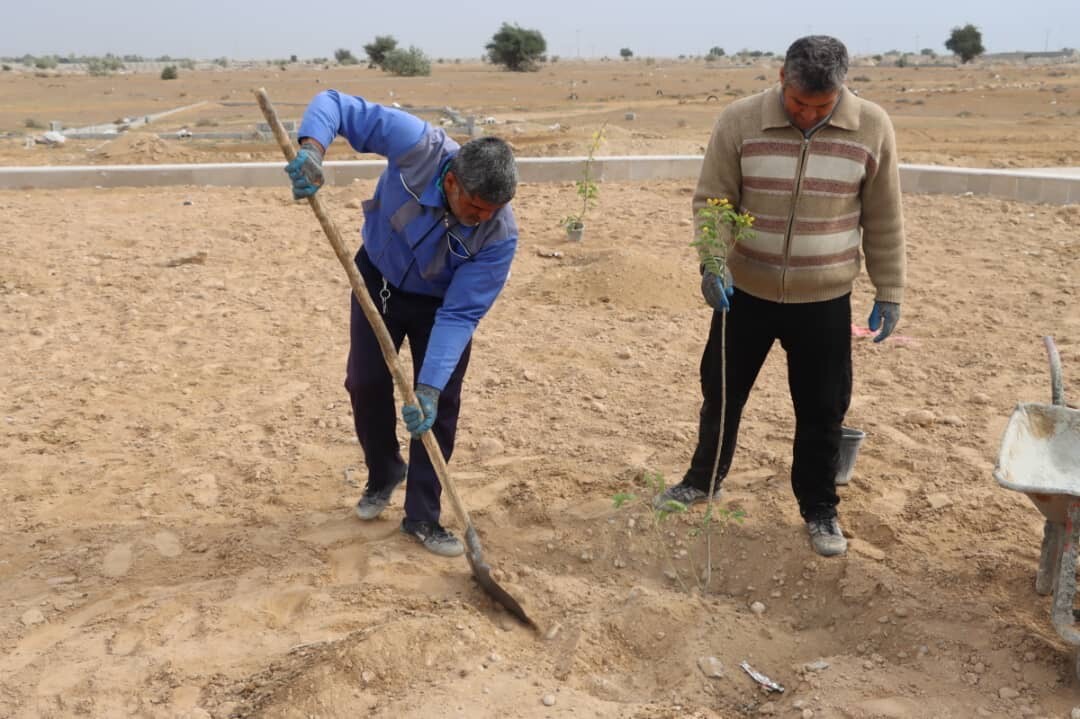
(371, 389)
(817, 339)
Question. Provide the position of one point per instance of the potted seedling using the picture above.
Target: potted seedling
(587, 189)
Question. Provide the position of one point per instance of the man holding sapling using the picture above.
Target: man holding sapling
(439, 236)
(816, 168)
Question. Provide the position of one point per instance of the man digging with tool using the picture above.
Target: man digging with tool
(816, 166)
(438, 239)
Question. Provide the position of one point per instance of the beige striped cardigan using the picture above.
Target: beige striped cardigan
(815, 201)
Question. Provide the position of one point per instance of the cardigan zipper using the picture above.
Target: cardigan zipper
(799, 169)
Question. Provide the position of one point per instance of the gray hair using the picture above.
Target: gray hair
(485, 168)
(816, 64)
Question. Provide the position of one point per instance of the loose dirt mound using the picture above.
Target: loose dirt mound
(627, 278)
(133, 148)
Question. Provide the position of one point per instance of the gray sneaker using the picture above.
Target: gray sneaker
(826, 537)
(434, 537)
(374, 501)
(684, 494)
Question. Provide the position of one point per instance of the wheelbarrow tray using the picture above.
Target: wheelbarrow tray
(1040, 456)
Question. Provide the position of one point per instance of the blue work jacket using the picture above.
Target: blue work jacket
(409, 233)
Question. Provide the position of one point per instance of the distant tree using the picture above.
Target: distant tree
(407, 63)
(516, 48)
(344, 56)
(929, 52)
(376, 49)
(715, 51)
(169, 73)
(626, 53)
(292, 58)
(966, 42)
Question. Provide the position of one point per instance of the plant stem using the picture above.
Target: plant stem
(655, 523)
(719, 449)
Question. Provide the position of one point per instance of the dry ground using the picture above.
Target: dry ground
(976, 115)
(179, 468)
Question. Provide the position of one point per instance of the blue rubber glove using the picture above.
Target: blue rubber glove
(420, 419)
(884, 315)
(305, 170)
(717, 290)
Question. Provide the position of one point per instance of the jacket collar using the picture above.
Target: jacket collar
(433, 195)
(845, 116)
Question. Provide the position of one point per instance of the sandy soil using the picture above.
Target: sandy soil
(179, 472)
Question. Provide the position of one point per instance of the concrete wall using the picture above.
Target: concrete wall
(1027, 186)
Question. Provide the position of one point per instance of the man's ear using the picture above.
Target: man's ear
(781, 74)
(450, 181)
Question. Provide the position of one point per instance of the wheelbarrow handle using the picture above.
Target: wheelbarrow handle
(1057, 385)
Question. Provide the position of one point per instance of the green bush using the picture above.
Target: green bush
(378, 48)
(169, 73)
(516, 47)
(344, 56)
(407, 63)
(101, 66)
(966, 42)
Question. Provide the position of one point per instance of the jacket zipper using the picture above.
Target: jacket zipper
(791, 217)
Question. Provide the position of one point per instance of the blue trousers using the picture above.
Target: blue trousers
(817, 339)
(371, 390)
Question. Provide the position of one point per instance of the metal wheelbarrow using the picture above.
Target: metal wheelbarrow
(1040, 456)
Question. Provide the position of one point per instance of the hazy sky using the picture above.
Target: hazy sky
(273, 29)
